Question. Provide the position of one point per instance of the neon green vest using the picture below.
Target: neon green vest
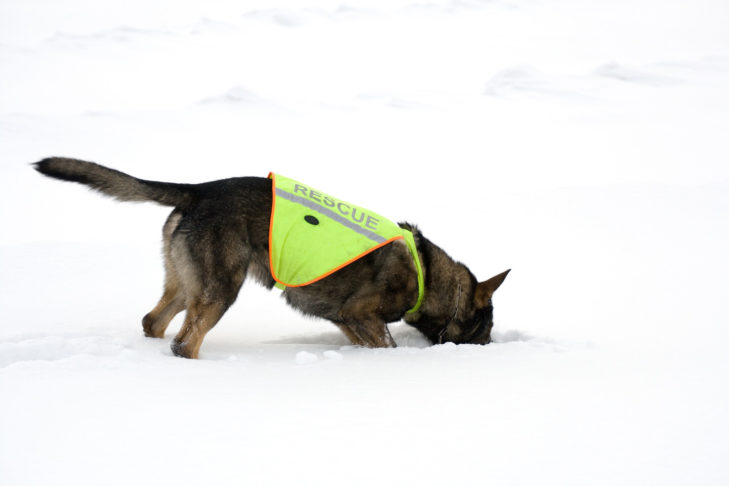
(313, 234)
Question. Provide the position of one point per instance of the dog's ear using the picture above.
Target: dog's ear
(486, 289)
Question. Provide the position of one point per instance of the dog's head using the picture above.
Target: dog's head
(471, 319)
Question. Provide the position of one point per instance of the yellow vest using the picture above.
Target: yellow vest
(313, 234)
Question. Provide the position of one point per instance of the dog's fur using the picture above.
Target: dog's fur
(218, 233)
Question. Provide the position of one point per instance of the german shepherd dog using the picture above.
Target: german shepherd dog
(217, 235)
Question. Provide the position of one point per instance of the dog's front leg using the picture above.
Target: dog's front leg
(360, 315)
(371, 333)
(351, 335)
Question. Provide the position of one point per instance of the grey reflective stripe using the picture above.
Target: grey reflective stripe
(330, 214)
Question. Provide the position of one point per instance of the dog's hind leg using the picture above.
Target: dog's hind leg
(173, 299)
(212, 265)
(156, 321)
(200, 318)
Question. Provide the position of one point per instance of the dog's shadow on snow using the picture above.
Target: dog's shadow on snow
(404, 335)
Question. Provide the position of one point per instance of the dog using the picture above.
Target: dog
(218, 234)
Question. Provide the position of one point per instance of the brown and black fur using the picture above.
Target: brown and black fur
(217, 235)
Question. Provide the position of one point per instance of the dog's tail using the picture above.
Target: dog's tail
(116, 184)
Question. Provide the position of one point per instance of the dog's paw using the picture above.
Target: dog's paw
(182, 350)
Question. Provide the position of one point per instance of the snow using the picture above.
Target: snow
(583, 145)
(305, 357)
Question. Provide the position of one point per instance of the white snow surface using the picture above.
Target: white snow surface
(582, 144)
